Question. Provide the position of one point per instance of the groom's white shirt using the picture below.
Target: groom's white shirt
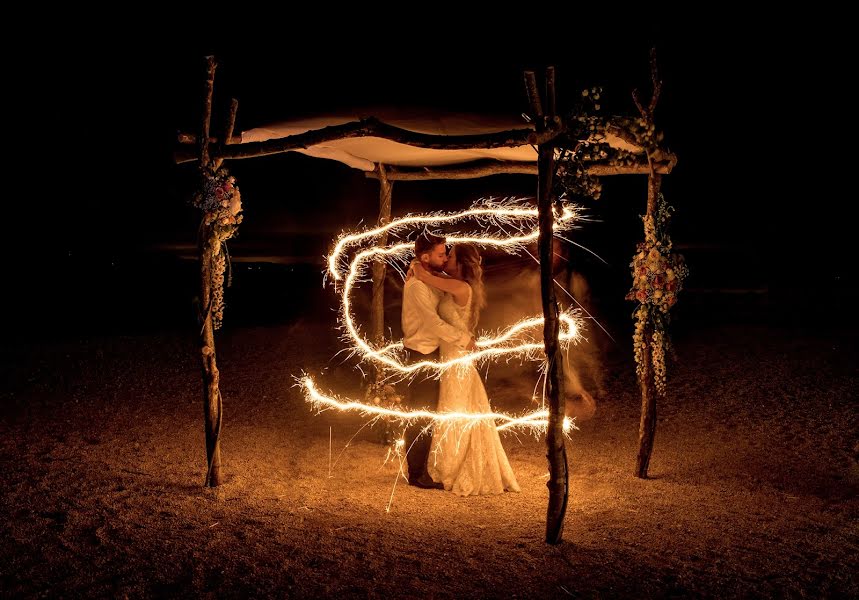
(423, 329)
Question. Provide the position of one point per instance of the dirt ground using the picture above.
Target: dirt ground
(752, 490)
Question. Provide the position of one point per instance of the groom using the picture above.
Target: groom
(423, 330)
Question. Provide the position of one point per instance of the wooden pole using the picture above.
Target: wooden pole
(555, 447)
(377, 312)
(473, 170)
(647, 425)
(614, 135)
(185, 138)
(550, 92)
(231, 124)
(203, 144)
(556, 450)
(534, 98)
(374, 128)
(487, 168)
(211, 377)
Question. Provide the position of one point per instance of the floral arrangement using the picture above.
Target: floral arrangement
(571, 174)
(585, 143)
(221, 203)
(657, 273)
(657, 278)
(385, 395)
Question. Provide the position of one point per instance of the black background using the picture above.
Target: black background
(98, 214)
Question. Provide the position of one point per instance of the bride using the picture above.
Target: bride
(465, 456)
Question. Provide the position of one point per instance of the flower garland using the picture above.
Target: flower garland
(657, 278)
(221, 203)
(657, 273)
(571, 174)
(585, 144)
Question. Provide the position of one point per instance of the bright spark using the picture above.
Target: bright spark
(503, 344)
(538, 420)
(518, 226)
(490, 211)
(504, 214)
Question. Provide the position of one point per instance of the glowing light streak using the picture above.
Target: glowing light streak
(357, 270)
(488, 347)
(535, 420)
(519, 227)
(497, 212)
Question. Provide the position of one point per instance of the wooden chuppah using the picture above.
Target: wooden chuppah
(546, 135)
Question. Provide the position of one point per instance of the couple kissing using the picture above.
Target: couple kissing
(442, 299)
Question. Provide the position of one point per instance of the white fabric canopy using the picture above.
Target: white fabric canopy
(364, 152)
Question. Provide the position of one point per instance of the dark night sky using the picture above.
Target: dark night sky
(745, 107)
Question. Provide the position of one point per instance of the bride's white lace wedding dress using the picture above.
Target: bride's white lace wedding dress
(466, 456)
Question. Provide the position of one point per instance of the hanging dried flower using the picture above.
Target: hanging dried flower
(657, 278)
(220, 201)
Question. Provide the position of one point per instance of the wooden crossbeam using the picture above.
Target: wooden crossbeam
(488, 168)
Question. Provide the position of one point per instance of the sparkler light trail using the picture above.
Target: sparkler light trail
(537, 420)
(505, 215)
(516, 225)
(501, 214)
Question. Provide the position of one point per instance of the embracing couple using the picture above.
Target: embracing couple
(442, 299)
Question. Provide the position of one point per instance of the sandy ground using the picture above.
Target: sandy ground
(753, 488)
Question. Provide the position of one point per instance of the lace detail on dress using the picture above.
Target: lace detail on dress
(466, 456)
(456, 315)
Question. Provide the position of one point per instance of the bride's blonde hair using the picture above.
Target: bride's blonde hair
(471, 266)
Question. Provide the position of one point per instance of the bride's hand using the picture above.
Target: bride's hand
(411, 272)
(418, 270)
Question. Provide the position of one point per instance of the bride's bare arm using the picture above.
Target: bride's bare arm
(456, 287)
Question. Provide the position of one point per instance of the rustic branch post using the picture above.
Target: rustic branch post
(231, 125)
(647, 426)
(211, 377)
(556, 450)
(377, 312)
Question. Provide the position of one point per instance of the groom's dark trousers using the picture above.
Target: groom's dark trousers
(422, 394)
